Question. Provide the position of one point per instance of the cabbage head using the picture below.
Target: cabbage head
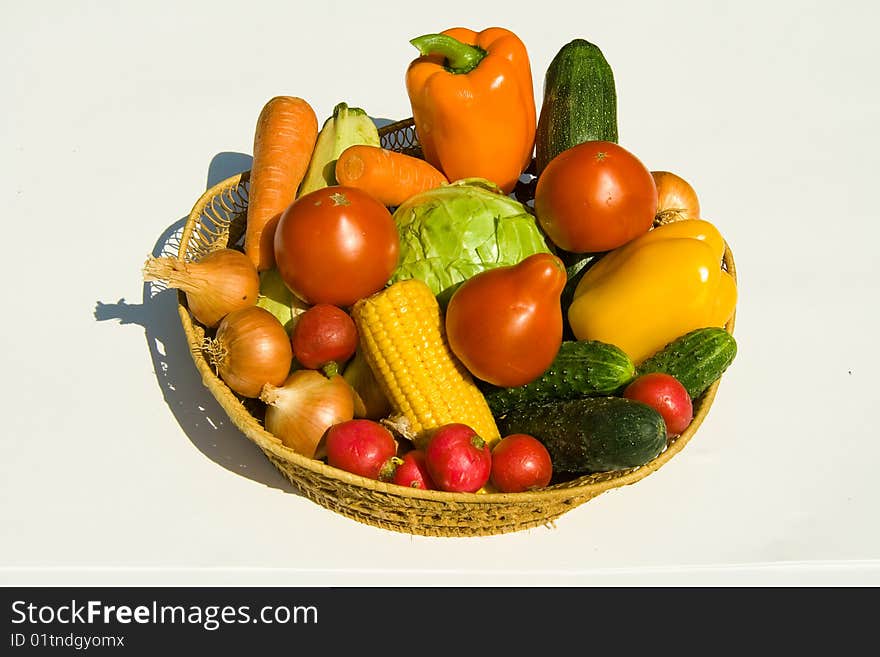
(449, 234)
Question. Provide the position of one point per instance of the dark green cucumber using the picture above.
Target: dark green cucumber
(595, 434)
(580, 102)
(580, 369)
(576, 265)
(697, 359)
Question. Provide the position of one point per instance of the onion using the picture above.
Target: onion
(369, 400)
(676, 199)
(215, 284)
(251, 349)
(301, 410)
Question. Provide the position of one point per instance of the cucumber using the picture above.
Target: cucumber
(697, 359)
(348, 126)
(595, 434)
(574, 272)
(580, 369)
(580, 102)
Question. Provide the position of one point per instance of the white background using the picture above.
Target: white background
(117, 467)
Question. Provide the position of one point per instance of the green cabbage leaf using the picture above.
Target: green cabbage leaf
(449, 234)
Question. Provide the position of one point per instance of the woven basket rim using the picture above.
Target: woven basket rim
(251, 427)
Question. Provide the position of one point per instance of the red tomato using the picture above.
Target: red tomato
(361, 447)
(595, 197)
(322, 334)
(519, 463)
(457, 459)
(505, 324)
(666, 395)
(336, 245)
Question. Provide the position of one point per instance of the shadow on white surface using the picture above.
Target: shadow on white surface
(202, 419)
(225, 165)
(381, 123)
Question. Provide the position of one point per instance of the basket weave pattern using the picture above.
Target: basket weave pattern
(217, 220)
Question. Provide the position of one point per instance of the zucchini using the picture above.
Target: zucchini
(346, 127)
(277, 298)
(580, 102)
(595, 434)
(580, 369)
(697, 359)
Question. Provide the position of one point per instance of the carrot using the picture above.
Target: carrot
(388, 176)
(287, 130)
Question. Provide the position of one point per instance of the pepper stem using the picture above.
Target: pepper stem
(460, 57)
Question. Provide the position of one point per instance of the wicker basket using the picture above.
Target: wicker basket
(217, 220)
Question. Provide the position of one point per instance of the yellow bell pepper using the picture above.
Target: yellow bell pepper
(648, 292)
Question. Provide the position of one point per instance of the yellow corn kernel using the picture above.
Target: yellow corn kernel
(403, 338)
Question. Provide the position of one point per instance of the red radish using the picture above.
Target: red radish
(324, 333)
(413, 472)
(665, 394)
(457, 459)
(361, 447)
(519, 463)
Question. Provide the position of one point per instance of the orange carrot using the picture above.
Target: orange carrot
(388, 176)
(283, 143)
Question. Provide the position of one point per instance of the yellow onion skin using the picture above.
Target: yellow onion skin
(300, 411)
(215, 284)
(251, 348)
(676, 199)
(369, 400)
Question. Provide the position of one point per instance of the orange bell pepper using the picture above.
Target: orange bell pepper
(473, 103)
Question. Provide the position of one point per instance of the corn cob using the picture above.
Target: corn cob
(403, 338)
